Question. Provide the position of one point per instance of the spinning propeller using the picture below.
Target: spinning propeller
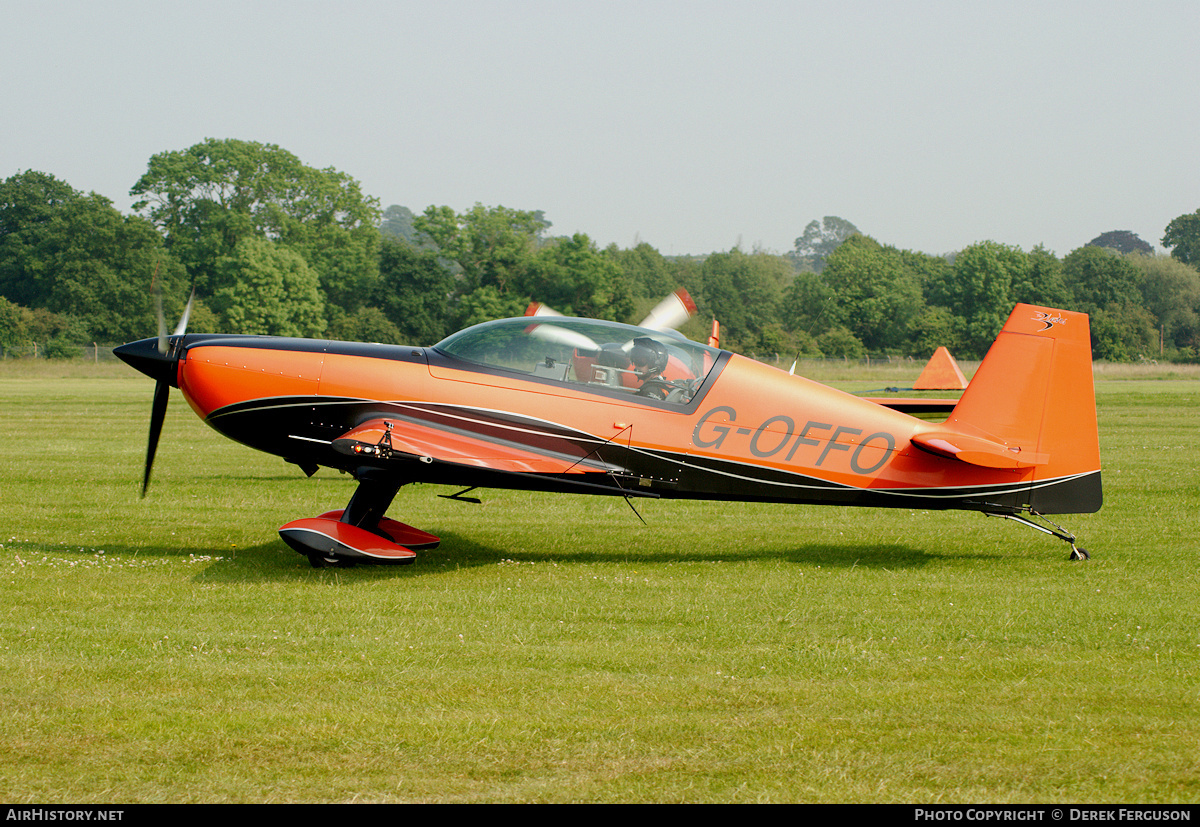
(669, 314)
(158, 359)
(672, 312)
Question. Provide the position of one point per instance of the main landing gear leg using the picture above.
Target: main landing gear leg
(1061, 533)
(369, 503)
(359, 533)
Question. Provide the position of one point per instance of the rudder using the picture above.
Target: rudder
(1034, 393)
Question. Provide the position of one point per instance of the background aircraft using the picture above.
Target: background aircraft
(551, 403)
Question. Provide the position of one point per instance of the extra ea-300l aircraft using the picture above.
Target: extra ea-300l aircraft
(559, 404)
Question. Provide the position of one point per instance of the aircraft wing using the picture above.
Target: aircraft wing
(396, 439)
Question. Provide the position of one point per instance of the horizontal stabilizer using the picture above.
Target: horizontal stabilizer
(978, 451)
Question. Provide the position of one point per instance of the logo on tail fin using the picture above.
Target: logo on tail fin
(1047, 320)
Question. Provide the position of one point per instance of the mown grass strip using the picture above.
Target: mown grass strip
(555, 649)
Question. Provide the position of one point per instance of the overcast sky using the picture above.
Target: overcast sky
(693, 126)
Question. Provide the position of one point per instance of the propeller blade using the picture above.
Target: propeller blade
(671, 312)
(160, 361)
(181, 328)
(562, 336)
(162, 321)
(156, 292)
(539, 309)
(158, 412)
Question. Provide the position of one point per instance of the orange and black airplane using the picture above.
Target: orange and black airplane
(582, 406)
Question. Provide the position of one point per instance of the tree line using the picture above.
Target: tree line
(273, 246)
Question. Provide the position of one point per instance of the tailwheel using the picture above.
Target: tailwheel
(1058, 531)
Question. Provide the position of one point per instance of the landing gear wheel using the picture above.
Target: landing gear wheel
(320, 561)
(1058, 531)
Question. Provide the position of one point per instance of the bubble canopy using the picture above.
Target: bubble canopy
(652, 364)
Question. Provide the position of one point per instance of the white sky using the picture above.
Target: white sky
(693, 126)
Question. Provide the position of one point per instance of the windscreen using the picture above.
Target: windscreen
(641, 362)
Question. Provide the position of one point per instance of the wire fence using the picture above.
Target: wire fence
(870, 360)
(92, 353)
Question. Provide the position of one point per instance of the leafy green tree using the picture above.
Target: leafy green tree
(12, 324)
(743, 291)
(841, 343)
(367, 324)
(210, 197)
(650, 275)
(1171, 292)
(574, 277)
(267, 289)
(1123, 241)
(806, 305)
(488, 303)
(820, 239)
(1043, 281)
(43, 325)
(877, 296)
(1098, 277)
(105, 264)
(77, 254)
(980, 291)
(414, 293)
(935, 327)
(925, 268)
(1182, 238)
(1122, 332)
(62, 347)
(805, 345)
(493, 246)
(398, 223)
(773, 339)
(29, 202)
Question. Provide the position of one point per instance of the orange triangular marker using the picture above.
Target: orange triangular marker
(941, 374)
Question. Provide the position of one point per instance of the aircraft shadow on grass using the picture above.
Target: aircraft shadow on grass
(274, 561)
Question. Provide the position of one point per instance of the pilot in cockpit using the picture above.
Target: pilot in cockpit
(663, 375)
(649, 358)
(644, 365)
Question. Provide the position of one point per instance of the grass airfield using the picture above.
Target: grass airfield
(556, 649)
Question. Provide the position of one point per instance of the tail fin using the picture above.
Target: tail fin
(1033, 392)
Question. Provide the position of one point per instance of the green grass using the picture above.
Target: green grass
(555, 649)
